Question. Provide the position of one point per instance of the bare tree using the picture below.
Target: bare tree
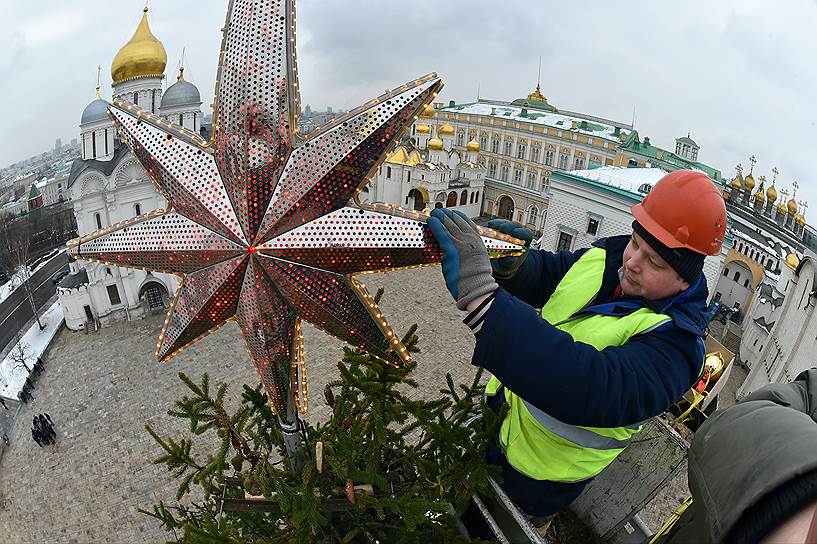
(20, 354)
(18, 243)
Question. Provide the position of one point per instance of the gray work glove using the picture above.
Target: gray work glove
(466, 266)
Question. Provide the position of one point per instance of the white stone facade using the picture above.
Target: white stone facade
(97, 140)
(790, 346)
(113, 293)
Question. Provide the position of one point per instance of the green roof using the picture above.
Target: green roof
(34, 192)
(687, 140)
(633, 144)
(532, 103)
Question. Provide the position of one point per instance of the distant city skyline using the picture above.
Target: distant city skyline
(734, 74)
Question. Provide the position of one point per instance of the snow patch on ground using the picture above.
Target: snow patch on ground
(33, 344)
(14, 282)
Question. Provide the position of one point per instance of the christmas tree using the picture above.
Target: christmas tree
(383, 468)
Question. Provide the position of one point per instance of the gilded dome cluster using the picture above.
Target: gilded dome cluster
(766, 197)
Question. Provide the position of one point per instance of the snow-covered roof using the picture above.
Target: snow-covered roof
(539, 117)
(629, 179)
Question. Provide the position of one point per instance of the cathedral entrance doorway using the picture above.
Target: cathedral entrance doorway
(419, 201)
(155, 295)
(506, 207)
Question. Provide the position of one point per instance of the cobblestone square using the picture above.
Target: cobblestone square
(101, 388)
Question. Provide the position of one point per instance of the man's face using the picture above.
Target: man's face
(646, 274)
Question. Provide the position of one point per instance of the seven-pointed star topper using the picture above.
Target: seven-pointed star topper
(260, 222)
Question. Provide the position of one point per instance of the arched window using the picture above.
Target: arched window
(725, 271)
(508, 146)
(520, 151)
(136, 98)
(549, 158)
(504, 173)
(473, 197)
(460, 138)
(492, 169)
(452, 199)
(534, 153)
(137, 208)
(464, 198)
(533, 215)
(181, 119)
(737, 276)
(495, 145)
(98, 219)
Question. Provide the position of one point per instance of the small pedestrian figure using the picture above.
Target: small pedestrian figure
(29, 385)
(47, 426)
(3, 402)
(48, 418)
(38, 366)
(35, 434)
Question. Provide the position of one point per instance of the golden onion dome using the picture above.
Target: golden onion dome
(800, 219)
(781, 209)
(428, 112)
(759, 195)
(792, 261)
(749, 181)
(142, 56)
(435, 143)
(423, 129)
(771, 193)
(792, 206)
(736, 183)
(473, 145)
(447, 130)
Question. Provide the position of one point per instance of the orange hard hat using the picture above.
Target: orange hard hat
(684, 209)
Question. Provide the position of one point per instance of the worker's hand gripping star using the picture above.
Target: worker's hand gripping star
(465, 263)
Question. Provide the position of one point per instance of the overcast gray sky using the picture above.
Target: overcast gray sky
(739, 75)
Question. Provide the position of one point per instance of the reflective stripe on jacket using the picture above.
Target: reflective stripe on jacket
(539, 445)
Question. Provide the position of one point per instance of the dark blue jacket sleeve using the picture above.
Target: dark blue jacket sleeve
(536, 279)
(574, 382)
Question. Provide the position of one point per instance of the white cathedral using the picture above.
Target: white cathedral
(109, 185)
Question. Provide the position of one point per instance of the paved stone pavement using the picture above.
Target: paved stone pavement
(101, 388)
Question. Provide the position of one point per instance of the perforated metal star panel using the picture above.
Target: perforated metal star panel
(260, 223)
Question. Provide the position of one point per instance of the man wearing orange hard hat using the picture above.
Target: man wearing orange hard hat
(585, 346)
